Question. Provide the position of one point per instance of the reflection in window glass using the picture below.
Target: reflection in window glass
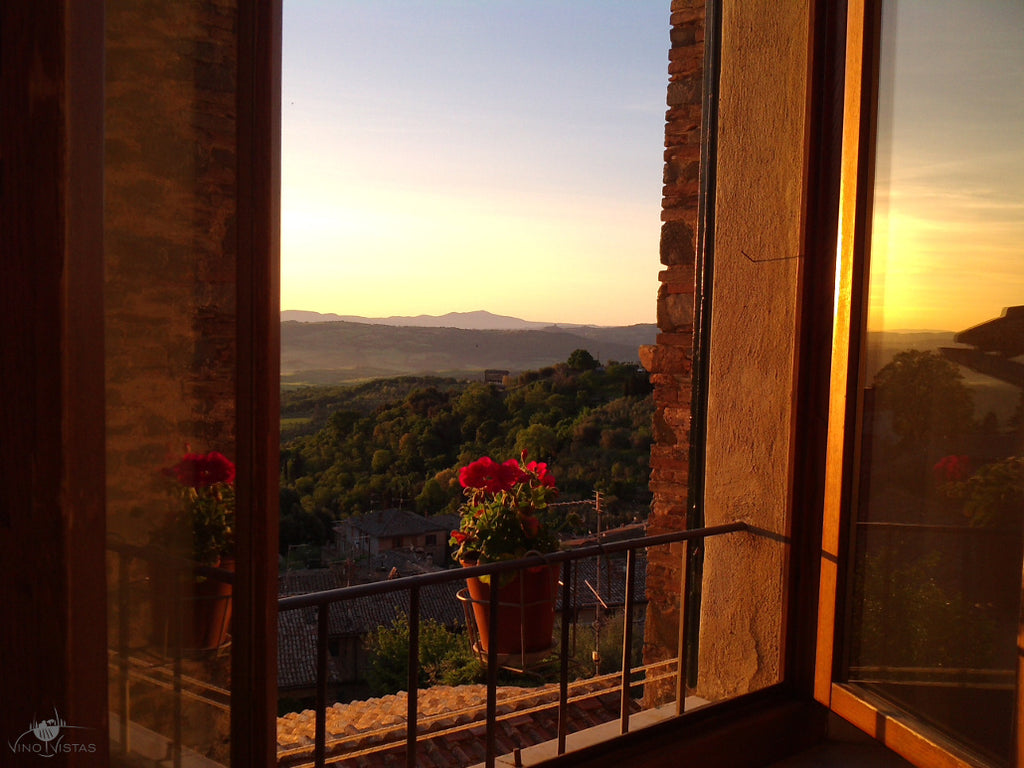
(937, 575)
(170, 298)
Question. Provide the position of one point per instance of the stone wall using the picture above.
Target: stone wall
(169, 226)
(670, 360)
(759, 246)
(758, 235)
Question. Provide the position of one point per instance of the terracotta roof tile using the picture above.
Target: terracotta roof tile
(380, 737)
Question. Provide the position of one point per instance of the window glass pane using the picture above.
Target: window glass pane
(170, 299)
(937, 532)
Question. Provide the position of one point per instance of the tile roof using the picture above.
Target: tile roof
(451, 724)
(364, 614)
(296, 649)
(296, 629)
(361, 616)
(304, 581)
(1004, 334)
(407, 562)
(610, 583)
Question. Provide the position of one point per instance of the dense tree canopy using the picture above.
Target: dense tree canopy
(592, 426)
(926, 396)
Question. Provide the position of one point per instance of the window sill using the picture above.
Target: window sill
(596, 737)
(752, 731)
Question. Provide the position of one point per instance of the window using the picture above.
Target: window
(54, 548)
(61, 655)
(924, 511)
(190, 313)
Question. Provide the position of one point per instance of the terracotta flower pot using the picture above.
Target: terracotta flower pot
(204, 603)
(210, 617)
(526, 610)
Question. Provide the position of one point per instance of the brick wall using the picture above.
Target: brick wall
(670, 360)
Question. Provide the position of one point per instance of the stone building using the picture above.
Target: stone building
(367, 535)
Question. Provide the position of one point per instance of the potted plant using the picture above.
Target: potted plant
(505, 517)
(203, 527)
(991, 498)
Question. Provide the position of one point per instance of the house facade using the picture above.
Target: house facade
(139, 233)
(375, 532)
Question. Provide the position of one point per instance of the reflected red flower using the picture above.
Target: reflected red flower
(198, 470)
(952, 469)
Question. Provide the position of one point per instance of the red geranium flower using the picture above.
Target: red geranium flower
(503, 515)
(488, 475)
(540, 469)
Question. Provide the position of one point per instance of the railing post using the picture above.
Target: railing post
(122, 641)
(563, 675)
(320, 744)
(414, 676)
(683, 617)
(178, 598)
(492, 673)
(627, 642)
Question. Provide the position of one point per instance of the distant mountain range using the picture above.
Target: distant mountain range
(473, 321)
(329, 349)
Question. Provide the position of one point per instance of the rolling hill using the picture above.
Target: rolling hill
(326, 352)
(480, 320)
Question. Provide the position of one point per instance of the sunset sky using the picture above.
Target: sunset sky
(456, 155)
(948, 246)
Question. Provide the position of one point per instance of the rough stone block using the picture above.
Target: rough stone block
(687, 203)
(682, 36)
(663, 433)
(675, 311)
(677, 243)
(684, 92)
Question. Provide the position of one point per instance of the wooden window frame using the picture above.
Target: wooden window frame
(254, 650)
(917, 742)
(52, 510)
(53, 517)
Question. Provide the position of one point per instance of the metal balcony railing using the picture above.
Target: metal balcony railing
(160, 664)
(322, 601)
